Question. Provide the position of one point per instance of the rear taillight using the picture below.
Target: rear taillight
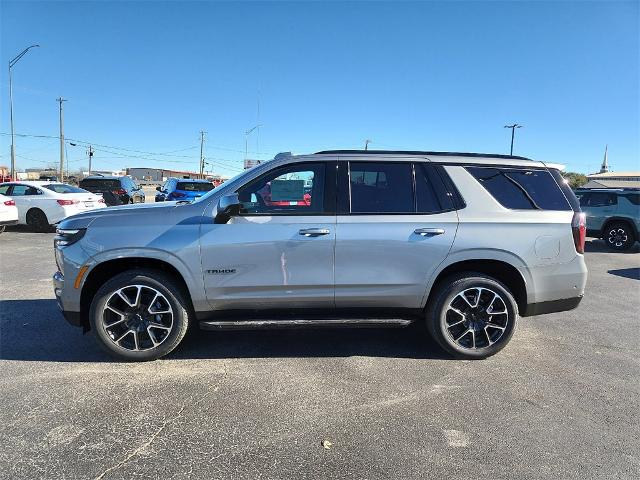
(67, 202)
(10, 203)
(120, 191)
(579, 229)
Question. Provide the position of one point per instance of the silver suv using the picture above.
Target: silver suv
(462, 242)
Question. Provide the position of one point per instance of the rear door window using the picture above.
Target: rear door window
(23, 190)
(378, 187)
(521, 189)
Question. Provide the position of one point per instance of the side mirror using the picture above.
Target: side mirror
(228, 206)
(159, 189)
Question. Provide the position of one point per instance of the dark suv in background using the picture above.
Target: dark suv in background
(114, 190)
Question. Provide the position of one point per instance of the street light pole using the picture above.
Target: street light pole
(246, 139)
(513, 132)
(13, 148)
(60, 100)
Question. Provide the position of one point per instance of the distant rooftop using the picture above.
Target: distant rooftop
(614, 175)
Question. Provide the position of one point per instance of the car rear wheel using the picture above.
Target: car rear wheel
(618, 236)
(139, 315)
(37, 220)
(472, 315)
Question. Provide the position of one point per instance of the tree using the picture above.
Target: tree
(575, 179)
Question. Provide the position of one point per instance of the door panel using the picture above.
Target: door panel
(259, 262)
(279, 252)
(396, 223)
(382, 262)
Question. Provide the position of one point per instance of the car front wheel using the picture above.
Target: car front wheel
(472, 315)
(139, 315)
(618, 236)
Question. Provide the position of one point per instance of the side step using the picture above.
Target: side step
(300, 323)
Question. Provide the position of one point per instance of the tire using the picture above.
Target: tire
(2, 228)
(37, 220)
(139, 328)
(462, 330)
(619, 236)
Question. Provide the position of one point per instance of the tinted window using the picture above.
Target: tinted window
(195, 186)
(96, 185)
(521, 189)
(295, 189)
(632, 197)
(598, 199)
(63, 188)
(566, 189)
(381, 187)
(3, 189)
(20, 190)
(431, 194)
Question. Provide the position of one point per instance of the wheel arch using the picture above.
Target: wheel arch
(33, 210)
(110, 268)
(501, 270)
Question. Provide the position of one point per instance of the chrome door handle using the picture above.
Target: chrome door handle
(428, 231)
(314, 232)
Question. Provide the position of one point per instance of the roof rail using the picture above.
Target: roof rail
(419, 152)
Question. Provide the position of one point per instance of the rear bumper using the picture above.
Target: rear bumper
(73, 318)
(8, 223)
(552, 306)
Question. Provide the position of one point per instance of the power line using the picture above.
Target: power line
(168, 154)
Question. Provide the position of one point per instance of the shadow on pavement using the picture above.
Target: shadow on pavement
(598, 246)
(633, 273)
(34, 330)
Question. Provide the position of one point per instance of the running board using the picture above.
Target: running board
(299, 323)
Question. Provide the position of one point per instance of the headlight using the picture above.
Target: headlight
(67, 237)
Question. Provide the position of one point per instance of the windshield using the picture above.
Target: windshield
(64, 188)
(230, 181)
(194, 186)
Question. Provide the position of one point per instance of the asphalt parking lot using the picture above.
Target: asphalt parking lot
(561, 401)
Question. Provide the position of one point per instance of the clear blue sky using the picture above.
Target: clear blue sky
(149, 76)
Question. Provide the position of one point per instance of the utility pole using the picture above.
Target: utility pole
(201, 152)
(60, 100)
(513, 132)
(366, 144)
(90, 157)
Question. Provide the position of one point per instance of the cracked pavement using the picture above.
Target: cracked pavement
(561, 401)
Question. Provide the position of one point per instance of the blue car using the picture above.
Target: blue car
(182, 189)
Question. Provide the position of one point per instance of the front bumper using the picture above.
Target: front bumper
(73, 318)
(8, 223)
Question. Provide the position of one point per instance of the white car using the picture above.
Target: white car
(41, 204)
(8, 212)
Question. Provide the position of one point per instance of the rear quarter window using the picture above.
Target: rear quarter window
(522, 189)
(195, 186)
